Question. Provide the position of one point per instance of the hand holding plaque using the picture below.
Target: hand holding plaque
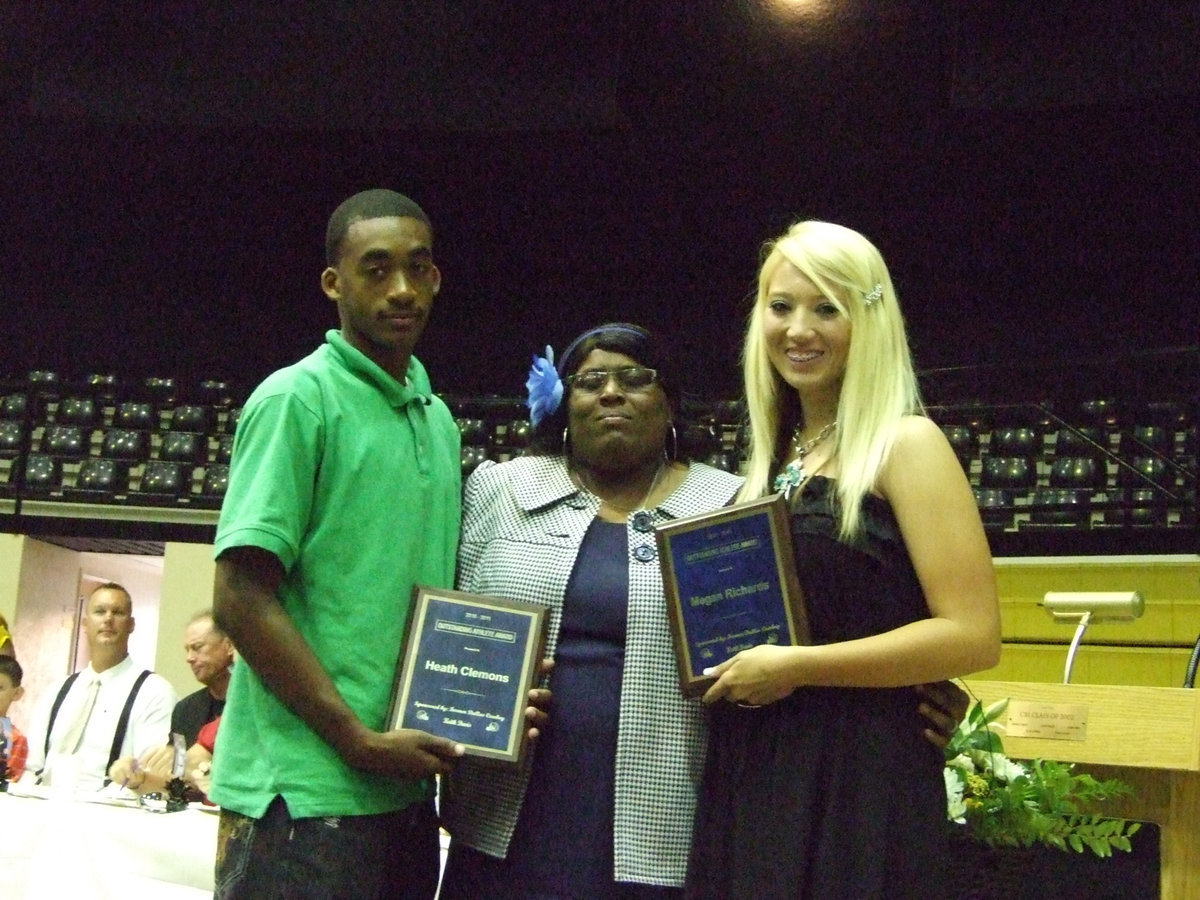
(466, 669)
(730, 584)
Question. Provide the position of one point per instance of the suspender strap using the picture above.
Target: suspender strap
(58, 701)
(123, 723)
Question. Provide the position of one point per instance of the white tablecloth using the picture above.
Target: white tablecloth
(73, 848)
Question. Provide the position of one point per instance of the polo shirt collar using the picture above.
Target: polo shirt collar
(415, 389)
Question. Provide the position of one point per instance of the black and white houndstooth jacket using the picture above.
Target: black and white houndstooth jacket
(523, 524)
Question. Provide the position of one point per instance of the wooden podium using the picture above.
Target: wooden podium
(1148, 737)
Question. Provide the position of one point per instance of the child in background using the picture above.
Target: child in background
(15, 745)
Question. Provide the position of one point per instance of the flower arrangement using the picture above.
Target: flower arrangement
(1003, 803)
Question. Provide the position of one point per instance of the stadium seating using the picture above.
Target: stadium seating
(1119, 472)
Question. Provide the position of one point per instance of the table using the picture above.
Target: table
(62, 847)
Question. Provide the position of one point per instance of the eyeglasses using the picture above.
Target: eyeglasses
(629, 378)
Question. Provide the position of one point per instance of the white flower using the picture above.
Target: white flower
(962, 762)
(1008, 770)
(956, 807)
(997, 765)
(1007, 803)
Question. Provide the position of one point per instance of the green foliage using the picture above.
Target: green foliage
(1004, 803)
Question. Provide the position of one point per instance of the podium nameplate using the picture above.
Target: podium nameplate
(1051, 721)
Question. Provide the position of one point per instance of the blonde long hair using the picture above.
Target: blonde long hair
(879, 387)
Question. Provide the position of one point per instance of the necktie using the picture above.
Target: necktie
(73, 736)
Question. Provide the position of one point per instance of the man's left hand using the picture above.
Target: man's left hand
(943, 704)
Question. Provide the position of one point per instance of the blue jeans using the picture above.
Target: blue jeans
(387, 855)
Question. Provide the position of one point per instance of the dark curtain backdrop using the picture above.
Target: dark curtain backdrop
(1032, 176)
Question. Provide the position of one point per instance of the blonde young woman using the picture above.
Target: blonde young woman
(817, 782)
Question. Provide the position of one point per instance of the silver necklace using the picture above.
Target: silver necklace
(582, 481)
(793, 474)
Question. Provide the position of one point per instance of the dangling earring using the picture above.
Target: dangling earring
(564, 442)
(673, 453)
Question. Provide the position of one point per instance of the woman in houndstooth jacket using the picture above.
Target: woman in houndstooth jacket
(602, 806)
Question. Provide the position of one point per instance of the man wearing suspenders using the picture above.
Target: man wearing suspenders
(109, 709)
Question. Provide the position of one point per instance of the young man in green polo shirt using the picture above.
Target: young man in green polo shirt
(343, 493)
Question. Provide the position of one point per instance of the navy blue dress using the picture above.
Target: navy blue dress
(831, 792)
(563, 843)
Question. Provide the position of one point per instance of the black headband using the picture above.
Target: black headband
(619, 327)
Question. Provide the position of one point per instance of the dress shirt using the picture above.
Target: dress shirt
(149, 721)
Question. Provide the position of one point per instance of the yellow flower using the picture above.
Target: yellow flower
(977, 785)
(1005, 803)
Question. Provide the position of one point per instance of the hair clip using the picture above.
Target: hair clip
(876, 293)
(544, 386)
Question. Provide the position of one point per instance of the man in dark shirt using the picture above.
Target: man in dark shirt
(210, 654)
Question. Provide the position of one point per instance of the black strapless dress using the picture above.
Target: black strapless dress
(831, 792)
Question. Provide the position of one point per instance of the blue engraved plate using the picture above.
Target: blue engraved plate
(730, 585)
(468, 664)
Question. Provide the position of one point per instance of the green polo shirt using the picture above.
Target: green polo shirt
(353, 481)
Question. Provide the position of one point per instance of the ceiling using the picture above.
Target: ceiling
(1030, 172)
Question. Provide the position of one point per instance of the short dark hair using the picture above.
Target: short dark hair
(10, 667)
(377, 203)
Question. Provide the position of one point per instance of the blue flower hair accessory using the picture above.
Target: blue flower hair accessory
(544, 386)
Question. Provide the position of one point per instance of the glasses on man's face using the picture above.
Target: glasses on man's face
(629, 378)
